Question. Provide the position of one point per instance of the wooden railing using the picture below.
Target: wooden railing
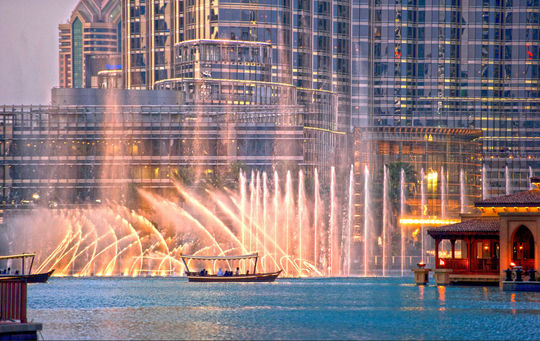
(457, 265)
(485, 265)
(477, 265)
(13, 300)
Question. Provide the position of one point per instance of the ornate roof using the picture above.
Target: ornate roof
(521, 199)
(471, 226)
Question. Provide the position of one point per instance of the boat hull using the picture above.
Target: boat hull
(32, 278)
(263, 277)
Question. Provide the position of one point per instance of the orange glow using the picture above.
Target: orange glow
(521, 247)
(512, 264)
(431, 222)
(486, 247)
(441, 262)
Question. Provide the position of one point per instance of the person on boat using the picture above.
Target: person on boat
(202, 272)
(220, 273)
(237, 271)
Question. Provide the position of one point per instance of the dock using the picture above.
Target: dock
(19, 331)
(13, 321)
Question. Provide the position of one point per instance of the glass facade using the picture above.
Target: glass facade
(77, 59)
(74, 154)
(456, 64)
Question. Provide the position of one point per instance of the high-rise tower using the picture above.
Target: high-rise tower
(454, 64)
(90, 42)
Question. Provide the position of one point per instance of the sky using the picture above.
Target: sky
(29, 48)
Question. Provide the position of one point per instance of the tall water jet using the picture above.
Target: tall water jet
(507, 180)
(276, 198)
(484, 182)
(462, 189)
(257, 208)
(366, 220)
(423, 205)
(300, 218)
(385, 218)
(243, 207)
(401, 215)
(444, 193)
(251, 211)
(316, 220)
(350, 222)
(332, 232)
(288, 202)
(531, 174)
(265, 213)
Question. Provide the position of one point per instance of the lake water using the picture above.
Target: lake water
(350, 308)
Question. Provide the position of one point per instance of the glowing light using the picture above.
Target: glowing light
(441, 262)
(431, 222)
(432, 176)
(35, 196)
(512, 264)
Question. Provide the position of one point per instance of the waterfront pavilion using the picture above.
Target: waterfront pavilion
(504, 232)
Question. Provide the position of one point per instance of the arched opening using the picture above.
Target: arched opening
(523, 248)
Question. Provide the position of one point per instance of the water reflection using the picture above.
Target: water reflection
(442, 296)
(165, 308)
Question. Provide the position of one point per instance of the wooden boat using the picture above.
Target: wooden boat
(214, 278)
(27, 276)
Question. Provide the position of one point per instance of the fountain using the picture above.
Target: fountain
(462, 191)
(332, 230)
(350, 215)
(367, 220)
(402, 201)
(507, 180)
(484, 183)
(531, 175)
(384, 218)
(291, 229)
(423, 207)
(444, 193)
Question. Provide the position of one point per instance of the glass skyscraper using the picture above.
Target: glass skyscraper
(89, 42)
(456, 64)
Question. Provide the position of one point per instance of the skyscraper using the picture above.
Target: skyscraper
(455, 64)
(90, 42)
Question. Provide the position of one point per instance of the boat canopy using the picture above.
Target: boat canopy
(22, 255)
(253, 255)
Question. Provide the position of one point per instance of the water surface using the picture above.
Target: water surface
(350, 308)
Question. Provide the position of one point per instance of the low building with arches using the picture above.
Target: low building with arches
(503, 233)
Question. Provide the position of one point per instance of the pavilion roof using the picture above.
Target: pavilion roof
(481, 226)
(529, 198)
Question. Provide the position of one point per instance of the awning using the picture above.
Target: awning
(22, 255)
(253, 255)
